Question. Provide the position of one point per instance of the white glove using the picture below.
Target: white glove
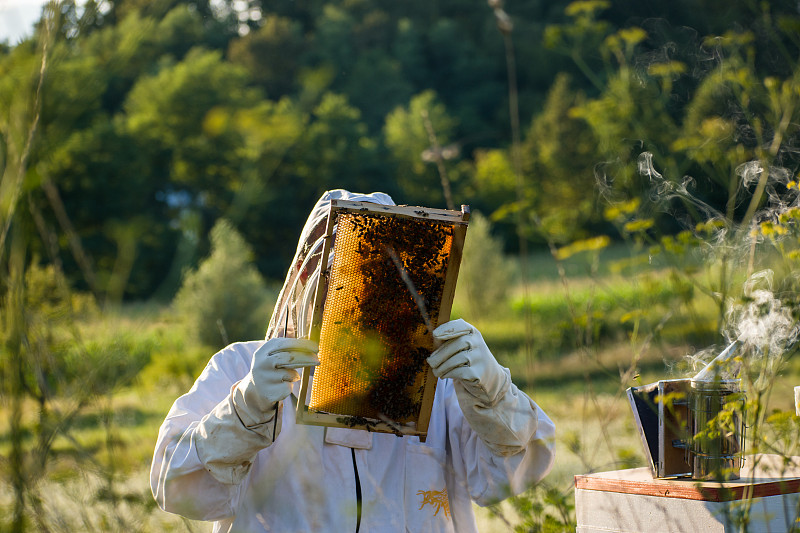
(503, 416)
(464, 356)
(249, 418)
(271, 376)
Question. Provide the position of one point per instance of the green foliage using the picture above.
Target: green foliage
(561, 177)
(377, 82)
(48, 295)
(544, 509)
(49, 312)
(485, 275)
(144, 117)
(494, 179)
(273, 55)
(101, 366)
(174, 364)
(168, 113)
(588, 315)
(407, 138)
(225, 299)
(55, 360)
(336, 150)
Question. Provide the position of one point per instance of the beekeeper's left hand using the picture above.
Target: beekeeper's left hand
(465, 357)
(504, 417)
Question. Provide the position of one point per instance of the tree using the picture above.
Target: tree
(272, 54)
(179, 119)
(375, 86)
(557, 179)
(336, 150)
(90, 178)
(331, 150)
(407, 137)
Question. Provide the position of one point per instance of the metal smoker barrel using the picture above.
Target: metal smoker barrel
(715, 451)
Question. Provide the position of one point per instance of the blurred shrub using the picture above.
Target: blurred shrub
(485, 275)
(47, 293)
(545, 509)
(225, 299)
(49, 313)
(100, 366)
(174, 366)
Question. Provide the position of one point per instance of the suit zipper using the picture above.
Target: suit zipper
(358, 491)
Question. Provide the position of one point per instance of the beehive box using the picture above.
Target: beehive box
(386, 283)
(765, 499)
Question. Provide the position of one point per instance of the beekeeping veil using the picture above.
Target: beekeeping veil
(293, 310)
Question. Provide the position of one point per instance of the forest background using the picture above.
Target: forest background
(631, 166)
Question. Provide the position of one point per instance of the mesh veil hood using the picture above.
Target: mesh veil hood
(292, 314)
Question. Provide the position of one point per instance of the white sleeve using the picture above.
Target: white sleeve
(493, 475)
(179, 480)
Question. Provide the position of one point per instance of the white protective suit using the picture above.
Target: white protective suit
(285, 477)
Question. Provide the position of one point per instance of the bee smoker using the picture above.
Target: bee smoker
(716, 429)
(694, 428)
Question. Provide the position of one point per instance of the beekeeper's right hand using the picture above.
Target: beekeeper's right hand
(270, 379)
(503, 416)
(249, 419)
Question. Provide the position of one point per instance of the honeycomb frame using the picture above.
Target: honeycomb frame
(389, 283)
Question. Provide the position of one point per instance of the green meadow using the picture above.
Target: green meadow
(587, 336)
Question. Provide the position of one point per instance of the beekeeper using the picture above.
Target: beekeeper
(229, 450)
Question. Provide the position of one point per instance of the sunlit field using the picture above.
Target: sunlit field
(95, 473)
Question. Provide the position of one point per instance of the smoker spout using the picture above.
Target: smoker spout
(722, 366)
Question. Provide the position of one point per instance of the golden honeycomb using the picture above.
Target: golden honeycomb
(384, 293)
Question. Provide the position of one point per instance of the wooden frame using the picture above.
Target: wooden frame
(457, 222)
